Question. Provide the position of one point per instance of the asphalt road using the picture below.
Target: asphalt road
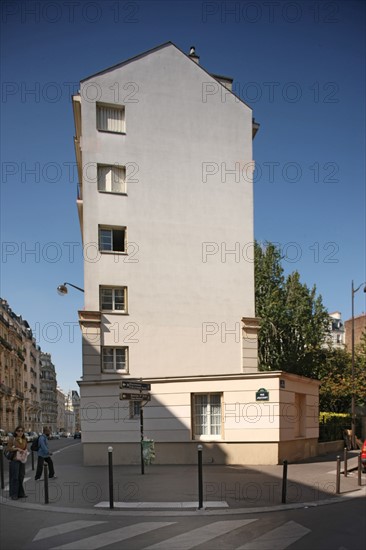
(338, 526)
(335, 526)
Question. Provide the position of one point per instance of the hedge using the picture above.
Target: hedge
(332, 425)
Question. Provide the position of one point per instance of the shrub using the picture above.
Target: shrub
(332, 425)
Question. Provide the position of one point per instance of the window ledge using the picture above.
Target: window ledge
(113, 252)
(112, 192)
(114, 371)
(113, 311)
(111, 132)
(208, 438)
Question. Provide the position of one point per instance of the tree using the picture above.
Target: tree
(294, 322)
(269, 299)
(337, 382)
(335, 391)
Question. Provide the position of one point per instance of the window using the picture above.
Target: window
(114, 359)
(113, 299)
(111, 178)
(112, 239)
(135, 408)
(111, 118)
(207, 416)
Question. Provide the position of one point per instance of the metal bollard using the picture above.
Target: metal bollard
(359, 469)
(45, 474)
(200, 478)
(110, 470)
(345, 462)
(284, 482)
(2, 466)
(142, 441)
(338, 475)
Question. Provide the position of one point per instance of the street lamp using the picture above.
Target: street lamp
(353, 407)
(62, 289)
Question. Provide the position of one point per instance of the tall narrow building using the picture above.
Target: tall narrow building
(165, 163)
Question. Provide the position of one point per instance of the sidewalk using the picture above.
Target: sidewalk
(176, 487)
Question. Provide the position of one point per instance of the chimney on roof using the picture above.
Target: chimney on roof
(192, 55)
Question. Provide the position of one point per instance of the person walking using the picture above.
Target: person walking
(44, 455)
(18, 445)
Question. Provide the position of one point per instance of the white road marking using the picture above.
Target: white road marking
(200, 535)
(110, 537)
(277, 539)
(64, 528)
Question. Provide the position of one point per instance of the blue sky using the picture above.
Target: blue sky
(301, 67)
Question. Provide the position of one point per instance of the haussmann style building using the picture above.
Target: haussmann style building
(165, 202)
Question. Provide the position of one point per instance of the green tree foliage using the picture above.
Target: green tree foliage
(337, 383)
(335, 391)
(294, 322)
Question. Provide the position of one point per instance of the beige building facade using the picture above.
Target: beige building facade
(359, 327)
(20, 400)
(165, 162)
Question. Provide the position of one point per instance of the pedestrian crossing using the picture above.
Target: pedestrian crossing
(275, 539)
(279, 538)
(203, 534)
(64, 528)
(111, 537)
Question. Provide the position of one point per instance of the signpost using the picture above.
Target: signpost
(141, 387)
(135, 385)
(135, 396)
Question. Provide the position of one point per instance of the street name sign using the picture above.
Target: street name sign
(135, 396)
(135, 385)
(262, 395)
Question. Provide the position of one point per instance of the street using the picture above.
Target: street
(331, 527)
(72, 521)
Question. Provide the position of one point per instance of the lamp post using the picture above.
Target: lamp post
(353, 405)
(62, 289)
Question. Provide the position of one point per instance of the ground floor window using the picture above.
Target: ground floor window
(206, 415)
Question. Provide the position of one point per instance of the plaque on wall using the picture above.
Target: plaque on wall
(262, 395)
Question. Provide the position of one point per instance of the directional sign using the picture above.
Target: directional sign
(135, 396)
(134, 385)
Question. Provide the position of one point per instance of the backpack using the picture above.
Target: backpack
(35, 444)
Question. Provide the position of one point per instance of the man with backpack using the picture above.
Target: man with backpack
(44, 455)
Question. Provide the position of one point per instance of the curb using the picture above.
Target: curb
(357, 493)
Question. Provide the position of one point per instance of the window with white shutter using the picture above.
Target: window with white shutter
(111, 178)
(111, 118)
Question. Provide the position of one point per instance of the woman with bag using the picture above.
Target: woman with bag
(18, 445)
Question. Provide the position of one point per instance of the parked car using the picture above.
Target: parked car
(30, 436)
(55, 435)
(363, 457)
(77, 435)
